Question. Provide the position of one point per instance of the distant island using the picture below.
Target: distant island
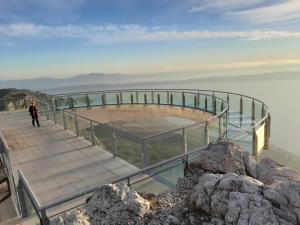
(108, 80)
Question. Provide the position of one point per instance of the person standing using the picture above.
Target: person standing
(33, 112)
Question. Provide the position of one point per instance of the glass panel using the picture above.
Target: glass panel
(214, 130)
(79, 100)
(126, 97)
(70, 123)
(209, 103)
(129, 151)
(95, 99)
(160, 179)
(141, 97)
(190, 99)
(31, 215)
(59, 117)
(195, 136)
(234, 103)
(258, 109)
(62, 102)
(245, 141)
(247, 106)
(51, 114)
(219, 103)
(165, 146)
(177, 98)
(85, 129)
(202, 102)
(162, 97)
(42, 109)
(111, 98)
(104, 136)
(221, 95)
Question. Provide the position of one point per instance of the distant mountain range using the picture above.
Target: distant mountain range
(110, 80)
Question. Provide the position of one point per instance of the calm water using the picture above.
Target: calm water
(281, 95)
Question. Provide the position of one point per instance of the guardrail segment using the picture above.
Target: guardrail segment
(238, 118)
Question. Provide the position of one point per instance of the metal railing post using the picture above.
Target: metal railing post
(183, 99)
(214, 105)
(64, 119)
(227, 98)
(145, 153)
(253, 111)
(118, 99)
(198, 100)
(22, 201)
(115, 150)
(47, 113)
(44, 220)
(205, 102)
(254, 144)
(185, 146)
(137, 97)
(87, 101)
(93, 133)
(103, 99)
(131, 98)
(76, 126)
(220, 127)
(158, 99)
(206, 133)
(145, 98)
(152, 97)
(241, 111)
(70, 101)
(195, 102)
(262, 111)
(267, 132)
(171, 99)
(54, 116)
(168, 97)
(121, 98)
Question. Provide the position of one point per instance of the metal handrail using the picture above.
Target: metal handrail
(226, 107)
(184, 156)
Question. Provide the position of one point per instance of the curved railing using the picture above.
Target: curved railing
(238, 118)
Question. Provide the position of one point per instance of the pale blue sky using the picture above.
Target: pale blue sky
(60, 38)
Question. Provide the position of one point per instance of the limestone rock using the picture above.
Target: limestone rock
(269, 171)
(226, 157)
(225, 186)
(73, 218)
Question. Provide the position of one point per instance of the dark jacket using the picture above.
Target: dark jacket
(33, 111)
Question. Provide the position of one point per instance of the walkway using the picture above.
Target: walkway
(55, 162)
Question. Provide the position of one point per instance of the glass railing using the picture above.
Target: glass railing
(162, 157)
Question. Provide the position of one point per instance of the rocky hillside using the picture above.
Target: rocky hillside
(225, 186)
(11, 92)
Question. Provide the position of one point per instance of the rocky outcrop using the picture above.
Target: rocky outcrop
(225, 186)
(111, 204)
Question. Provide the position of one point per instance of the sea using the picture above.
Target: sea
(280, 93)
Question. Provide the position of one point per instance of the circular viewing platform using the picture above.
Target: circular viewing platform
(146, 127)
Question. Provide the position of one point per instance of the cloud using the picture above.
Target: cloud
(103, 34)
(287, 10)
(257, 11)
(222, 5)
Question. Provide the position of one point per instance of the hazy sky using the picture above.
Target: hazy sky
(60, 38)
